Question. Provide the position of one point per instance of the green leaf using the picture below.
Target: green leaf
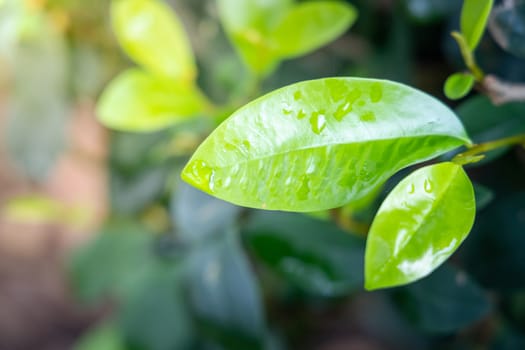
(313, 255)
(498, 242)
(151, 34)
(474, 17)
(138, 101)
(458, 85)
(444, 302)
(105, 336)
(321, 144)
(111, 264)
(224, 290)
(266, 32)
(419, 225)
(156, 315)
(311, 25)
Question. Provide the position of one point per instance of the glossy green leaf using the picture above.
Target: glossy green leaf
(474, 17)
(313, 255)
(321, 144)
(419, 225)
(265, 32)
(458, 85)
(444, 302)
(152, 35)
(310, 25)
(138, 101)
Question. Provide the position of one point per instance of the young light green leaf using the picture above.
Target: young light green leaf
(310, 25)
(153, 36)
(474, 17)
(419, 225)
(321, 144)
(266, 32)
(138, 101)
(459, 85)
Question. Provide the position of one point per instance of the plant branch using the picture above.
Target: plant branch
(476, 152)
(468, 57)
(501, 92)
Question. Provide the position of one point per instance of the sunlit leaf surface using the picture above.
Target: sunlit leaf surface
(474, 17)
(321, 144)
(458, 85)
(419, 225)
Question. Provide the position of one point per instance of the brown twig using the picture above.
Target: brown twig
(501, 92)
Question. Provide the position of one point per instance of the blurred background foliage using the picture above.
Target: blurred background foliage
(162, 266)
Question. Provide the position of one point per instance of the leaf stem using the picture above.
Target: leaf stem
(475, 153)
(468, 57)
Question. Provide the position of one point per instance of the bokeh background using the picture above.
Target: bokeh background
(102, 247)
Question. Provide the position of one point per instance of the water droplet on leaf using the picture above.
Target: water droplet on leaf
(318, 122)
(368, 117)
(429, 186)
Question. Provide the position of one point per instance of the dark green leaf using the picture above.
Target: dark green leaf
(156, 316)
(498, 242)
(311, 254)
(445, 301)
(321, 144)
(197, 215)
(474, 17)
(111, 264)
(419, 225)
(152, 35)
(483, 196)
(458, 85)
(507, 26)
(224, 290)
(141, 102)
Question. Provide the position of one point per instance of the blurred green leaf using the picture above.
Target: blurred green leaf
(197, 216)
(39, 107)
(111, 264)
(498, 242)
(419, 225)
(429, 10)
(156, 316)
(224, 291)
(106, 336)
(311, 254)
(458, 85)
(474, 17)
(446, 301)
(309, 25)
(507, 26)
(153, 36)
(485, 122)
(484, 196)
(141, 102)
(303, 135)
(264, 33)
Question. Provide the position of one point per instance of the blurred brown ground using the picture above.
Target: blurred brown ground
(37, 310)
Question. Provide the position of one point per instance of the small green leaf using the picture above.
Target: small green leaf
(419, 225)
(321, 144)
(151, 34)
(138, 101)
(311, 25)
(474, 17)
(459, 85)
